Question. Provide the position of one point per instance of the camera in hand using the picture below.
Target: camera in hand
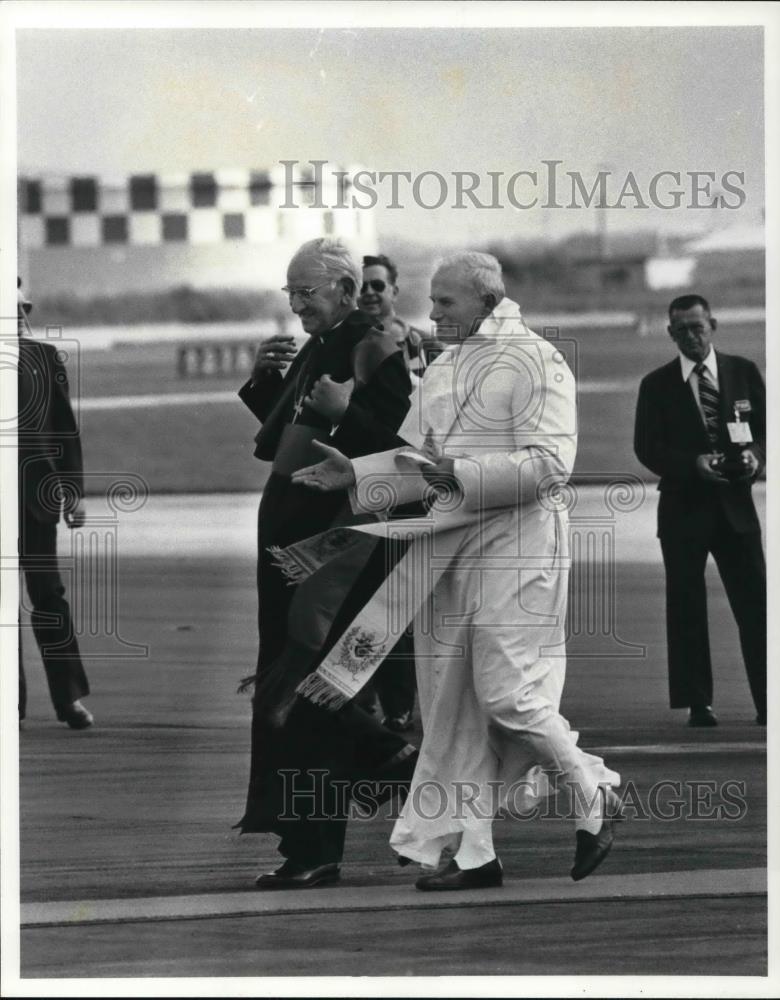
(731, 465)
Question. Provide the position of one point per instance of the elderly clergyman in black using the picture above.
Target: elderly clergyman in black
(348, 386)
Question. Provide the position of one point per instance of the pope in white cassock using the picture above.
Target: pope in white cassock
(491, 433)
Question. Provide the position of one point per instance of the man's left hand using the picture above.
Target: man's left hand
(75, 515)
(335, 472)
(330, 399)
(750, 465)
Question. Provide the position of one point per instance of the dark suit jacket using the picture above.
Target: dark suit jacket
(377, 406)
(670, 434)
(49, 443)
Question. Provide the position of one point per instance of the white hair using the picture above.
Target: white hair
(333, 259)
(482, 270)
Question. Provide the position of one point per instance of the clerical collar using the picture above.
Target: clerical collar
(332, 329)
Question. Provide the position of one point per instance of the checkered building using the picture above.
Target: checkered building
(220, 228)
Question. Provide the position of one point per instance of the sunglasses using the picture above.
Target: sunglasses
(376, 285)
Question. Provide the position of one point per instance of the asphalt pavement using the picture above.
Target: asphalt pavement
(129, 866)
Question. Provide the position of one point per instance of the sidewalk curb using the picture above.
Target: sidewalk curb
(362, 899)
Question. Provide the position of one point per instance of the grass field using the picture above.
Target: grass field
(208, 446)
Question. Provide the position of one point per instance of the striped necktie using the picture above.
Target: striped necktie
(709, 398)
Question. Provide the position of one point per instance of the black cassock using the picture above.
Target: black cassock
(302, 773)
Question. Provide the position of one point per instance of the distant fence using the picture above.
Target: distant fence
(218, 357)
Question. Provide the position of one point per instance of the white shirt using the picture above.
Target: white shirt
(689, 375)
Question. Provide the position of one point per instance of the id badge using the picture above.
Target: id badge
(739, 432)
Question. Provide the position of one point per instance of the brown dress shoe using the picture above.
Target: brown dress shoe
(487, 876)
(76, 716)
(293, 876)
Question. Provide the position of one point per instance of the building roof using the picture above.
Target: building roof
(734, 238)
(587, 247)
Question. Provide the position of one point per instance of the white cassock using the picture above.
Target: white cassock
(489, 639)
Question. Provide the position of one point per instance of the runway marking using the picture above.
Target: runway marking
(345, 898)
(685, 748)
(158, 399)
(231, 396)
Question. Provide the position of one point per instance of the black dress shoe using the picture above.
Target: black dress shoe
(487, 876)
(76, 716)
(591, 850)
(293, 876)
(701, 715)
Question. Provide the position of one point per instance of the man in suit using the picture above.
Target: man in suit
(50, 484)
(700, 426)
(349, 385)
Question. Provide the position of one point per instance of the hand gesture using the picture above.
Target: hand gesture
(707, 468)
(330, 399)
(75, 515)
(430, 448)
(273, 354)
(334, 473)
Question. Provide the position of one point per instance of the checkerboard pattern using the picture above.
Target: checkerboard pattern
(198, 208)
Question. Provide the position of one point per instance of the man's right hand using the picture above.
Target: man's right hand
(273, 354)
(707, 468)
(334, 473)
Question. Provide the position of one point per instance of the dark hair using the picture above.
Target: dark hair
(683, 302)
(385, 262)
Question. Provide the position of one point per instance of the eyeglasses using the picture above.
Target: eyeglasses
(304, 293)
(376, 285)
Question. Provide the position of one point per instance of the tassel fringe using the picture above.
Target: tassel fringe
(293, 568)
(321, 692)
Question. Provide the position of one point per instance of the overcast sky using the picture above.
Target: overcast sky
(631, 99)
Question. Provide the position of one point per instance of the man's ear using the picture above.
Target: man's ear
(713, 323)
(348, 290)
(490, 302)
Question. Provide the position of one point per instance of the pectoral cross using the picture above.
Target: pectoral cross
(302, 380)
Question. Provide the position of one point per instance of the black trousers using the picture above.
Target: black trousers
(395, 681)
(304, 777)
(740, 562)
(303, 774)
(50, 614)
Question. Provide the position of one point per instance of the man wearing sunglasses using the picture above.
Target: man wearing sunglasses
(50, 485)
(377, 299)
(347, 385)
